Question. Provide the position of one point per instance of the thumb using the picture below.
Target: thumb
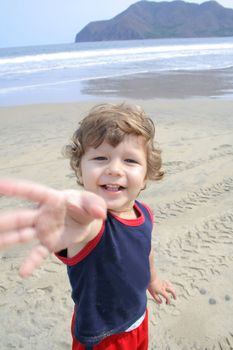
(85, 206)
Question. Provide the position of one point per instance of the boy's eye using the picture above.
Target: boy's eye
(100, 158)
(129, 160)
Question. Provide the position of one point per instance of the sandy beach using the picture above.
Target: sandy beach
(192, 235)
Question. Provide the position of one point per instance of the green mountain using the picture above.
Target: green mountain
(149, 20)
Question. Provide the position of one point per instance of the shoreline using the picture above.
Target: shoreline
(192, 236)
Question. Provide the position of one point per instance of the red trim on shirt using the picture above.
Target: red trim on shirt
(84, 251)
(132, 222)
(150, 212)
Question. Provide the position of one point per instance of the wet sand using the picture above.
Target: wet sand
(192, 235)
(175, 84)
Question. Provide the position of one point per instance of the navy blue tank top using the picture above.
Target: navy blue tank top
(110, 276)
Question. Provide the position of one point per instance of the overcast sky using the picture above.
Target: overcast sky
(31, 22)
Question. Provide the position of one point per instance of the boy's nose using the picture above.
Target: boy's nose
(114, 168)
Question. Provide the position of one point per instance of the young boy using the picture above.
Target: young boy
(102, 234)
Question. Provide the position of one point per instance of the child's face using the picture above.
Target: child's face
(117, 174)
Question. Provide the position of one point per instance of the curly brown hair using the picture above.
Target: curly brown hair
(110, 123)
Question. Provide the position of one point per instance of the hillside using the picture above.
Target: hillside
(149, 20)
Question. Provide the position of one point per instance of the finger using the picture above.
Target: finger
(27, 190)
(94, 205)
(157, 299)
(171, 290)
(34, 260)
(86, 206)
(166, 297)
(20, 236)
(17, 219)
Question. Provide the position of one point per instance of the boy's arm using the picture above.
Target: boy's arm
(62, 219)
(157, 287)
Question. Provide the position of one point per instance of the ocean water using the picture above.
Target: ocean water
(55, 73)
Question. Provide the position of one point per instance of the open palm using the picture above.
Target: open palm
(61, 219)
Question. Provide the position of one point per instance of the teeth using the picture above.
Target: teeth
(112, 187)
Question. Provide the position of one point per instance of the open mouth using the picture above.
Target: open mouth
(113, 188)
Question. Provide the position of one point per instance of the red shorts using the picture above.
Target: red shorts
(136, 339)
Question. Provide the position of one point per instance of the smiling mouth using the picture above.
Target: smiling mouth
(113, 188)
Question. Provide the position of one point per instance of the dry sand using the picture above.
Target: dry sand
(192, 235)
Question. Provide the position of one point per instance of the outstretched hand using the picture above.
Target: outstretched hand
(61, 219)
